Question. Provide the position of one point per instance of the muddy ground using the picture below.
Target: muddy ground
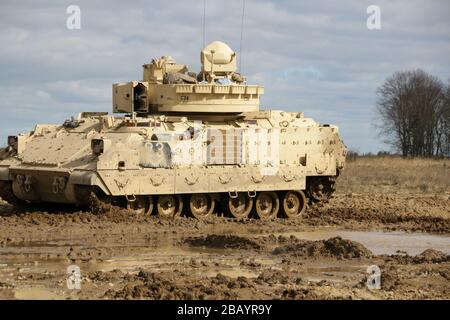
(323, 255)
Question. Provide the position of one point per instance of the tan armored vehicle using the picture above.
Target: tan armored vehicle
(182, 142)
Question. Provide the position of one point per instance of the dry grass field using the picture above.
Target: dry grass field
(395, 175)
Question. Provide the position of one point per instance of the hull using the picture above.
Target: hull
(263, 151)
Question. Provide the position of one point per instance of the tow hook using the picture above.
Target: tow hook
(130, 198)
(233, 194)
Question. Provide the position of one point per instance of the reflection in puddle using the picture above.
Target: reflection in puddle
(165, 259)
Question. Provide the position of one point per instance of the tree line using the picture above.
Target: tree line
(414, 108)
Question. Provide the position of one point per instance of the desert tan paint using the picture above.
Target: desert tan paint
(153, 150)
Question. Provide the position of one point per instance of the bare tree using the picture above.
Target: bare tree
(413, 107)
(444, 124)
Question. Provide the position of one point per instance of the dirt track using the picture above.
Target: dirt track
(124, 256)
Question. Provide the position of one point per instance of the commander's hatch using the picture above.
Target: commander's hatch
(130, 97)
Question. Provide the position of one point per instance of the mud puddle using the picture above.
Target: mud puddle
(38, 277)
(155, 258)
(381, 242)
(37, 270)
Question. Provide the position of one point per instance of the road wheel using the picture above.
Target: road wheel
(267, 205)
(142, 205)
(294, 204)
(169, 206)
(201, 205)
(240, 206)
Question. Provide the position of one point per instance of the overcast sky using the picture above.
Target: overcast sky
(312, 56)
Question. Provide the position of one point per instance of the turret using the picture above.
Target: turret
(168, 87)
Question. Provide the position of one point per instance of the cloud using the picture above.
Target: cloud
(311, 56)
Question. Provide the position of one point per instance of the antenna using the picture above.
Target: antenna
(204, 21)
(242, 32)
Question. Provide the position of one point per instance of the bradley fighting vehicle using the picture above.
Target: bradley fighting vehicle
(180, 142)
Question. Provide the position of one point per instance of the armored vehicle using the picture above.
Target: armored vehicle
(180, 142)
